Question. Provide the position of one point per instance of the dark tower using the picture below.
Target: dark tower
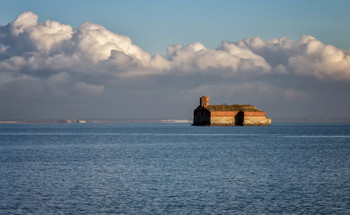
(204, 101)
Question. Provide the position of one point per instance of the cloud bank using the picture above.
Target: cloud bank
(50, 70)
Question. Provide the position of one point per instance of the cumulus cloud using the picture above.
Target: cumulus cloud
(307, 56)
(57, 60)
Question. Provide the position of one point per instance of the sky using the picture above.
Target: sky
(154, 59)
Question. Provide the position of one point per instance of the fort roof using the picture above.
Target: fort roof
(235, 107)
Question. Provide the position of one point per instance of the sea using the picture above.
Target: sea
(164, 168)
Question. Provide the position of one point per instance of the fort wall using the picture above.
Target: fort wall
(201, 120)
(223, 113)
(256, 121)
(222, 121)
(254, 114)
(228, 115)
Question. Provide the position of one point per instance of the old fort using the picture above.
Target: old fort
(236, 114)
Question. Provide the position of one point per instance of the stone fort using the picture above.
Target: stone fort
(228, 115)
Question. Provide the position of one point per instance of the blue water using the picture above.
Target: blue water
(174, 169)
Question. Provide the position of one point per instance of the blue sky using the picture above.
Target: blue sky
(106, 59)
(153, 25)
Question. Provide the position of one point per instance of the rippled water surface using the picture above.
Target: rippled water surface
(174, 169)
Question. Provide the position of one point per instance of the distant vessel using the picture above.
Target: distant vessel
(228, 115)
(72, 121)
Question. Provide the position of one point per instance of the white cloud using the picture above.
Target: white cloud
(196, 58)
(308, 56)
(23, 22)
(92, 60)
(29, 45)
(50, 35)
(321, 61)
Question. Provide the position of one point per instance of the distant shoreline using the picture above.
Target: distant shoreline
(92, 121)
(307, 120)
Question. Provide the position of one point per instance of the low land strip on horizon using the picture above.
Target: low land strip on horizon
(274, 120)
